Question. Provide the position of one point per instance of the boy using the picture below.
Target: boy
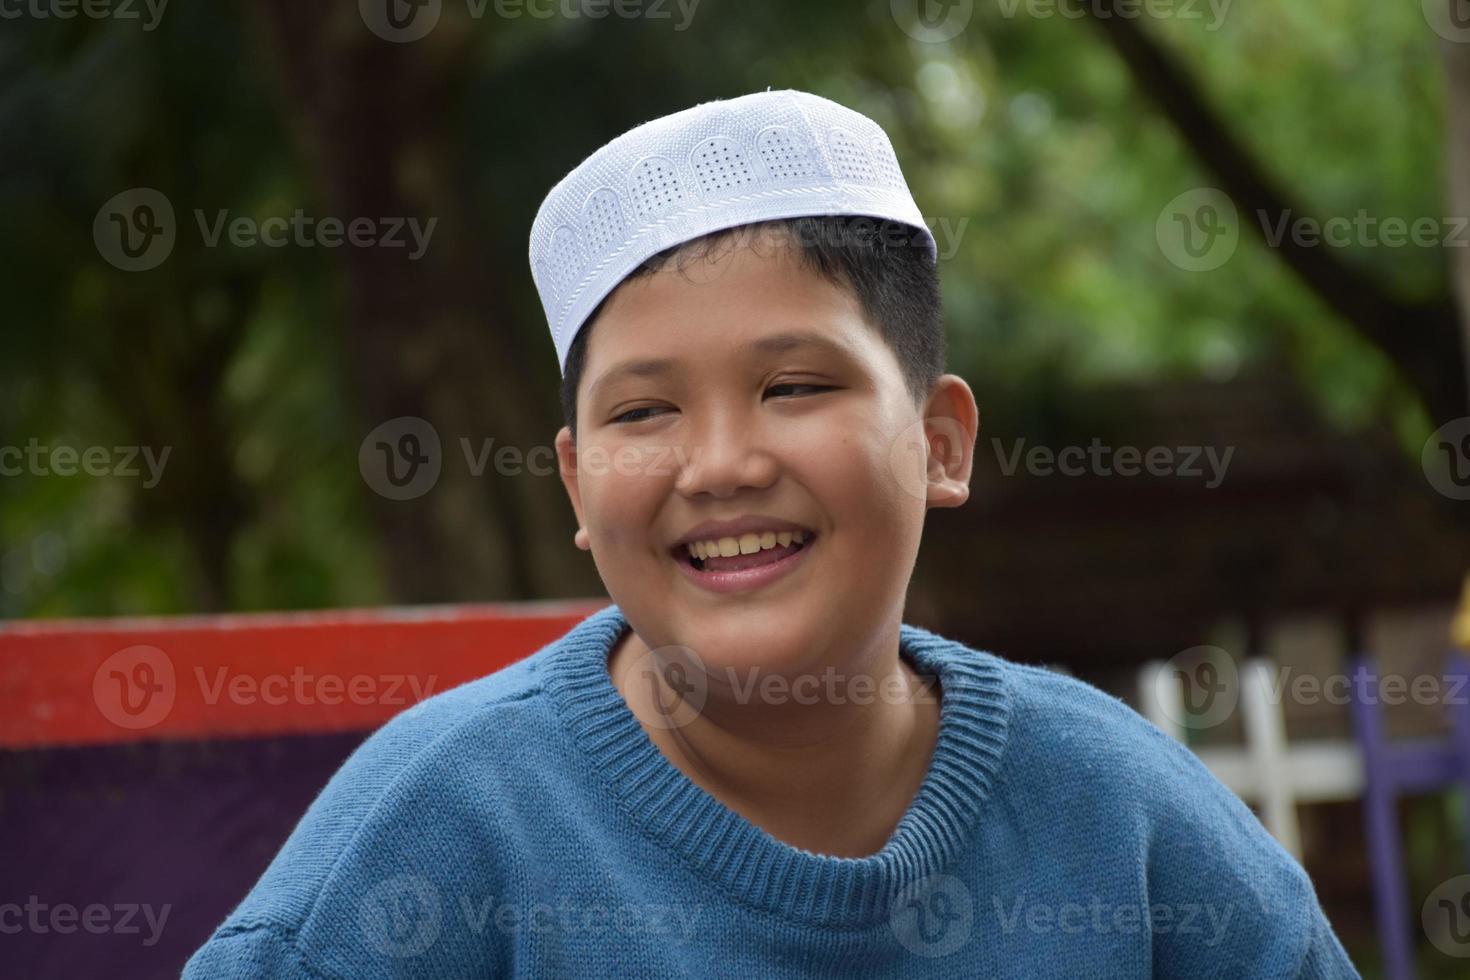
(748, 766)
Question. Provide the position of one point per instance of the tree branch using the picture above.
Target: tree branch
(1423, 340)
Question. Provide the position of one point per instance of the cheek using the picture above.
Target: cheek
(855, 464)
(623, 489)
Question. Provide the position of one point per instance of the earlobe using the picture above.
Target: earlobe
(947, 493)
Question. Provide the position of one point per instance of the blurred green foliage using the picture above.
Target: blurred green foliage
(1024, 138)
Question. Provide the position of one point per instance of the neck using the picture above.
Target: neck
(828, 767)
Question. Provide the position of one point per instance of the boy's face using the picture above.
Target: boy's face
(718, 437)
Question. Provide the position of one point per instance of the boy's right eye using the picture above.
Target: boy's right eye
(631, 415)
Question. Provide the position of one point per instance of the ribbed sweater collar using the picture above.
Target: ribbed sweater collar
(756, 868)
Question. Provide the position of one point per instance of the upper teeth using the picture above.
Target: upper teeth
(746, 544)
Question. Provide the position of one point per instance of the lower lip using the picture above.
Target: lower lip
(747, 578)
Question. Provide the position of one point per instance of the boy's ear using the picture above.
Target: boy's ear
(566, 457)
(951, 424)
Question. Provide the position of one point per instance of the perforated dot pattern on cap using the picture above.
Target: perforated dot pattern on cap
(785, 155)
(720, 165)
(759, 157)
(883, 157)
(656, 187)
(848, 156)
(564, 262)
(603, 222)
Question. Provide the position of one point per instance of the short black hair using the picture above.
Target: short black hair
(884, 263)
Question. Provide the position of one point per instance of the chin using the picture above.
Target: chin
(770, 647)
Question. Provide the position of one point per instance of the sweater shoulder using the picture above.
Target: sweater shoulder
(1069, 741)
(1091, 733)
(411, 816)
(1096, 768)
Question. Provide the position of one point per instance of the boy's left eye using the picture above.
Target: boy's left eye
(795, 384)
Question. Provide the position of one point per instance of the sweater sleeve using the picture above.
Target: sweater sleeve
(249, 954)
(1226, 899)
(1325, 959)
(374, 879)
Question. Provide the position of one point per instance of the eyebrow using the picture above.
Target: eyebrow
(780, 343)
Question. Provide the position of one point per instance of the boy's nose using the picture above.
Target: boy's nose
(730, 455)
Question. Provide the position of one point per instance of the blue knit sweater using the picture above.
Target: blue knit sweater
(524, 825)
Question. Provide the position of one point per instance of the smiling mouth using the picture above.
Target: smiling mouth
(756, 559)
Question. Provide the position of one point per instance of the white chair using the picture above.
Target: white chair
(1266, 771)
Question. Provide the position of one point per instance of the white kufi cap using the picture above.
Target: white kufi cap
(769, 155)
